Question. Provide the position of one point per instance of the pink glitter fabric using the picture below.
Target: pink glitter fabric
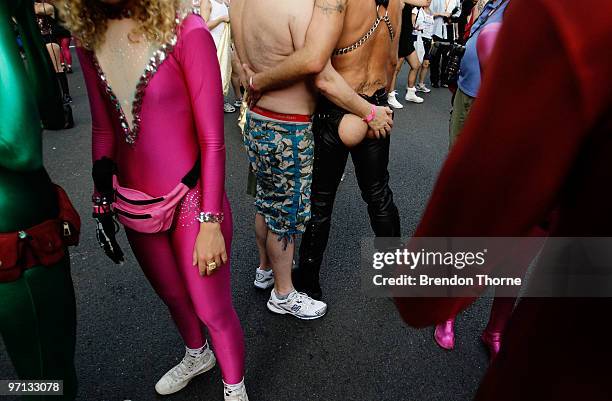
(189, 208)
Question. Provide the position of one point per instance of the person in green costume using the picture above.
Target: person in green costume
(37, 309)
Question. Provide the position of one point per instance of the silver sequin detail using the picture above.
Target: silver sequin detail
(209, 217)
(131, 134)
(160, 55)
(189, 207)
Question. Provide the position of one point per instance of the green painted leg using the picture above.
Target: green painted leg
(38, 324)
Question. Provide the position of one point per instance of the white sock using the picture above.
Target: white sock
(196, 352)
(233, 387)
(283, 297)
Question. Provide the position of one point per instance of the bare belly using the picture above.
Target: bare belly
(368, 68)
(365, 81)
(296, 99)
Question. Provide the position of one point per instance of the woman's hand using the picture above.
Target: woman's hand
(209, 247)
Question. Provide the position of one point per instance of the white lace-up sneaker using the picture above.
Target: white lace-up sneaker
(393, 102)
(412, 97)
(179, 376)
(422, 88)
(297, 304)
(235, 392)
(264, 279)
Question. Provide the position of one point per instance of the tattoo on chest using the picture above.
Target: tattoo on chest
(331, 6)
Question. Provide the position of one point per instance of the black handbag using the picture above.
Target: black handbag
(450, 74)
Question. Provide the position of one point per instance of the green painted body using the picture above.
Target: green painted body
(37, 312)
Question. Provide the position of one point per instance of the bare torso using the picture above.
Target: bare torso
(371, 66)
(266, 32)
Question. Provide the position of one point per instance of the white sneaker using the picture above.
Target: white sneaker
(179, 376)
(297, 304)
(264, 279)
(422, 88)
(393, 102)
(235, 392)
(412, 97)
(228, 108)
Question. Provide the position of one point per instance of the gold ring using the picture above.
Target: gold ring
(211, 265)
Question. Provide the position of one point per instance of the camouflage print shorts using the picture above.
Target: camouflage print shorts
(281, 154)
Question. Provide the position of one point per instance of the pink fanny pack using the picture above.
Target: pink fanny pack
(147, 214)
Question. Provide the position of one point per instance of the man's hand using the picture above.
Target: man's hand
(254, 94)
(382, 124)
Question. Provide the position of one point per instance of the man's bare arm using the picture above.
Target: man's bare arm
(321, 38)
(336, 89)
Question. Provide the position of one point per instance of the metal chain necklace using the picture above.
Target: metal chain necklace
(369, 33)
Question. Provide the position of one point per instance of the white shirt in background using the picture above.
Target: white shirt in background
(442, 6)
(424, 23)
(217, 10)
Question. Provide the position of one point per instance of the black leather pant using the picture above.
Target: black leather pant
(370, 158)
(439, 60)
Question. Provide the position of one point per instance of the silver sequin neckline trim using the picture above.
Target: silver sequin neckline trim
(160, 55)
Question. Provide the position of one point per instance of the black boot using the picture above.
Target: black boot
(63, 81)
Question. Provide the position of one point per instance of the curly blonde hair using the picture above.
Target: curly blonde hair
(86, 19)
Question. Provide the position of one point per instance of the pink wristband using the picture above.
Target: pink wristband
(372, 114)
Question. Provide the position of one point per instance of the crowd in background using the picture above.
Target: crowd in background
(560, 172)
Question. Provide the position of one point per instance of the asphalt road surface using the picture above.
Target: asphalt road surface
(360, 350)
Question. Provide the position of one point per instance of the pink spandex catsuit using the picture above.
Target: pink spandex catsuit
(181, 118)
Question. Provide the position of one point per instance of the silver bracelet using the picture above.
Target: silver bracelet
(207, 217)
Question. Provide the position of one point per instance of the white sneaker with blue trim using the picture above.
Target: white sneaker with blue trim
(297, 304)
(264, 279)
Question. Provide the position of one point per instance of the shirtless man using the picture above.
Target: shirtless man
(279, 141)
(339, 30)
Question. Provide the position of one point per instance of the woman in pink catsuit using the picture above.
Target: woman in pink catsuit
(155, 126)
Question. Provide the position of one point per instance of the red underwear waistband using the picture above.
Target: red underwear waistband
(298, 118)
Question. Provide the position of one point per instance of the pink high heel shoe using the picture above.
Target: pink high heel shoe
(444, 334)
(492, 340)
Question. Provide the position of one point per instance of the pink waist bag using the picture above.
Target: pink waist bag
(147, 214)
